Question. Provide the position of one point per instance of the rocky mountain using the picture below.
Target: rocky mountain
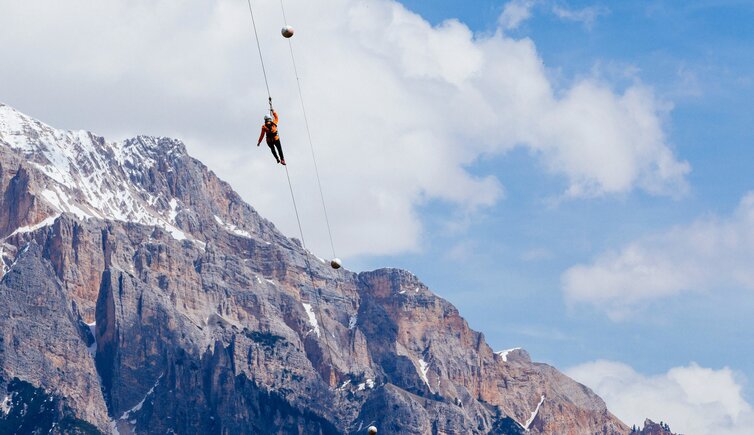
(141, 294)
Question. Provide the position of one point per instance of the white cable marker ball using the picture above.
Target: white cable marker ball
(372, 430)
(287, 31)
(336, 263)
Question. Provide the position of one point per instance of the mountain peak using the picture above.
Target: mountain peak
(177, 308)
(80, 173)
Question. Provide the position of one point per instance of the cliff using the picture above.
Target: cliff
(142, 295)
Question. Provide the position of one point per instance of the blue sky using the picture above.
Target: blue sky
(697, 56)
(572, 175)
(711, 123)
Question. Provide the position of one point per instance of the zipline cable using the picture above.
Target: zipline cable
(309, 268)
(261, 59)
(293, 197)
(295, 208)
(285, 20)
(309, 135)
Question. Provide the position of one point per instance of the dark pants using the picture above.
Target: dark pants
(277, 145)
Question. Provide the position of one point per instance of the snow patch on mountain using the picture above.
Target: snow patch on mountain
(423, 369)
(93, 347)
(139, 405)
(27, 229)
(534, 413)
(232, 228)
(5, 405)
(173, 209)
(312, 318)
(60, 200)
(3, 263)
(369, 383)
(504, 353)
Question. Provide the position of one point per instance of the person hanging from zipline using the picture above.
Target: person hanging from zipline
(270, 129)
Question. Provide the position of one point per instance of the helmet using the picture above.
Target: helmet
(267, 118)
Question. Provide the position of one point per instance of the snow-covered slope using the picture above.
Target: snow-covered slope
(89, 177)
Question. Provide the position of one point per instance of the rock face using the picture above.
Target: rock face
(143, 295)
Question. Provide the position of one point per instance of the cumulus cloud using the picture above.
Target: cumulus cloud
(399, 109)
(691, 399)
(514, 13)
(710, 253)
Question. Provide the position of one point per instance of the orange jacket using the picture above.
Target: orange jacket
(271, 131)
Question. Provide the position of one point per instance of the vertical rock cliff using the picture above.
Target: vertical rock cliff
(142, 295)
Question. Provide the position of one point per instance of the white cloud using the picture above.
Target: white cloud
(398, 108)
(514, 13)
(586, 16)
(691, 399)
(711, 253)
